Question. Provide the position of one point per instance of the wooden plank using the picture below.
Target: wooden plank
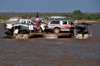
(60, 34)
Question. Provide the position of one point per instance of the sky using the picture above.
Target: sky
(60, 6)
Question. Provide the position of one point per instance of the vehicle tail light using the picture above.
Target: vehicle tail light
(75, 25)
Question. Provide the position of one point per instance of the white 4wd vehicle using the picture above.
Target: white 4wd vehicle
(22, 24)
(60, 25)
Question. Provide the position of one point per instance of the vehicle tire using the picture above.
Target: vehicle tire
(56, 30)
(79, 30)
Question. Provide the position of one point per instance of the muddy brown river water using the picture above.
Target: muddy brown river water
(50, 52)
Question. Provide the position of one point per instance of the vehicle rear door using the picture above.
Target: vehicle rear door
(64, 26)
(70, 25)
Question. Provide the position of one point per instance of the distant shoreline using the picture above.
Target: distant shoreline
(91, 22)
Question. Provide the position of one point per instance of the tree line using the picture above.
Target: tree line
(75, 15)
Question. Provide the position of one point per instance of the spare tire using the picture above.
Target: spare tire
(80, 30)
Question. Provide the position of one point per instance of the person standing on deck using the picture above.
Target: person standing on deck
(38, 25)
(34, 26)
(37, 16)
(43, 21)
(31, 17)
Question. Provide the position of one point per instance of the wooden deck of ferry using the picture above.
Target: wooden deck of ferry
(59, 34)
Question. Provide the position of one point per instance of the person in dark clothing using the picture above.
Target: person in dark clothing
(37, 15)
(34, 27)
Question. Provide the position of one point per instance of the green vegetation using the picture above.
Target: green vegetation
(4, 17)
(76, 15)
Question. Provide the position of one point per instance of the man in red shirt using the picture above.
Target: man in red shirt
(38, 25)
(31, 17)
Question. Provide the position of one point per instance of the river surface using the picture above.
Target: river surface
(50, 52)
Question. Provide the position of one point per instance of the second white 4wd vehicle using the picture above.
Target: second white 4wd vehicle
(60, 25)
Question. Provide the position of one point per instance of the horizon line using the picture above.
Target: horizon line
(47, 12)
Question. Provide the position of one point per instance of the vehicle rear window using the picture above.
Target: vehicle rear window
(54, 22)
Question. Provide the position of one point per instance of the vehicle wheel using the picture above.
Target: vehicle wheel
(39, 31)
(56, 30)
